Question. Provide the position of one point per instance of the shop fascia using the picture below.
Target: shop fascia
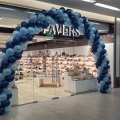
(61, 30)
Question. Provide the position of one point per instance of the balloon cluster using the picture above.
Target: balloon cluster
(19, 41)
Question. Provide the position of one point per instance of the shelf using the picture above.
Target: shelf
(20, 81)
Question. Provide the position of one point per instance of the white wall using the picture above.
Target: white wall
(82, 50)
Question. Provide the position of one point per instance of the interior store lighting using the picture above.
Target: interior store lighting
(0, 18)
(91, 1)
(107, 6)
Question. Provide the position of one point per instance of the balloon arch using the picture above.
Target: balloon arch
(19, 41)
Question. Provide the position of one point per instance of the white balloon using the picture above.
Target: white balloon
(10, 38)
(27, 20)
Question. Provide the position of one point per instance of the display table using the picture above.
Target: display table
(74, 85)
(41, 79)
(14, 99)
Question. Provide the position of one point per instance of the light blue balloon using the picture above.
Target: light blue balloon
(100, 39)
(41, 17)
(3, 97)
(54, 9)
(33, 17)
(10, 39)
(17, 48)
(6, 71)
(7, 109)
(24, 46)
(26, 42)
(105, 59)
(11, 84)
(100, 68)
(7, 90)
(100, 44)
(76, 15)
(68, 22)
(80, 20)
(3, 56)
(98, 87)
(2, 77)
(106, 79)
(108, 74)
(23, 31)
(97, 54)
(98, 72)
(27, 20)
(92, 36)
(93, 30)
(37, 30)
(90, 43)
(64, 16)
(53, 22)
(102, 83)
(16, 34)
(31, 31)
(99, 49)
(13, 66)
(60, 12)
(48, 19)
(108, 90)
(104, 64)
(10, 52)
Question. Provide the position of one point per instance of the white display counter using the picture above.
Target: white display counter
(78, 86)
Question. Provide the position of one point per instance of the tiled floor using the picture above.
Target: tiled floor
(89, 106)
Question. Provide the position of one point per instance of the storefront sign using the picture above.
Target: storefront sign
(61, 30)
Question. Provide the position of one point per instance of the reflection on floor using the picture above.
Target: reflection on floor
(29, 92)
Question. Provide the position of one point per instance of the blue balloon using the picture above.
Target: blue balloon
(44, 12)
(106, 86)
(75, 25)
(103, 51)
(24, 24)
(24, 46)
(96, 42)
(107, 67)
(84, 19)
(97, 37)
(23, 31)
(99, 61)
(102, 56)
(13, 72)
(9, 96)
(57, 17)
(4, 50)
(60, 21)
(87, 30)
(13, 66)
(4, 56)
(45, 25)
(12, 59)
(107, 62)
(51, 13)
(69, 12)
(108, 82)
(63, 9)
(105, 71)
(96, 32)
(72, 18)
(17, 56)
(32, 23)
(23, 38)
(103, 46)
(6, 71)
(94, 47)
(2, 110)
(30, 37)
(39, 23)
(9, 78)
(4, 84)
(101, 76)
(10, 52)
(16, 41)
(1, 90)
(102, 91)
(2, 77)
(1, 69)
(16, 34)
(4, 63)
(17, 28)
(9, 45)
(5, 103)
(31, 31)
(33, 17)
(17, 48)
(86, 25)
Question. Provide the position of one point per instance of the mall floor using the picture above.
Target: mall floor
(89, 106)
(29, 92)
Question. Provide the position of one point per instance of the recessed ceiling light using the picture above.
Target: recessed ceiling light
(91, 1)
(107, 6)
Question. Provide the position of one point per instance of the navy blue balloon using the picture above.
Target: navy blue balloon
(9, 45)
(30, 37)
(9, 78)
(96, 32)
(51, 13)
(23, 38)
(97, 37)
(60, 21)
(87, 30)
(4, 50)
(103, 46)
(106, 86)
(105, 71)
(39, 23)
(57, 17)
(94, 47)
(75, 25)
(44, 12)
(24, 24)
(108, 82)
(9, 96)
(17, 56)
(103, 51)
(63, 9)
(99, 61)
(4, 84)
(108, 62)
(45, 25)
(32, 23)
(17, 28)
(86, 25)
(102, 91)
(102, 56)
(12, 59)
(101, 76)
(1, 90)
(13, 72)
(97, 65)
(72, 18)
(69, 12)
(1, 69)
(93, 51)
(2, 110)
(107, 67)
(96, 42)
(21, 52)
(99, 79)
(4, 63)
(84, 19)
(5, 103)
(16, 41)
